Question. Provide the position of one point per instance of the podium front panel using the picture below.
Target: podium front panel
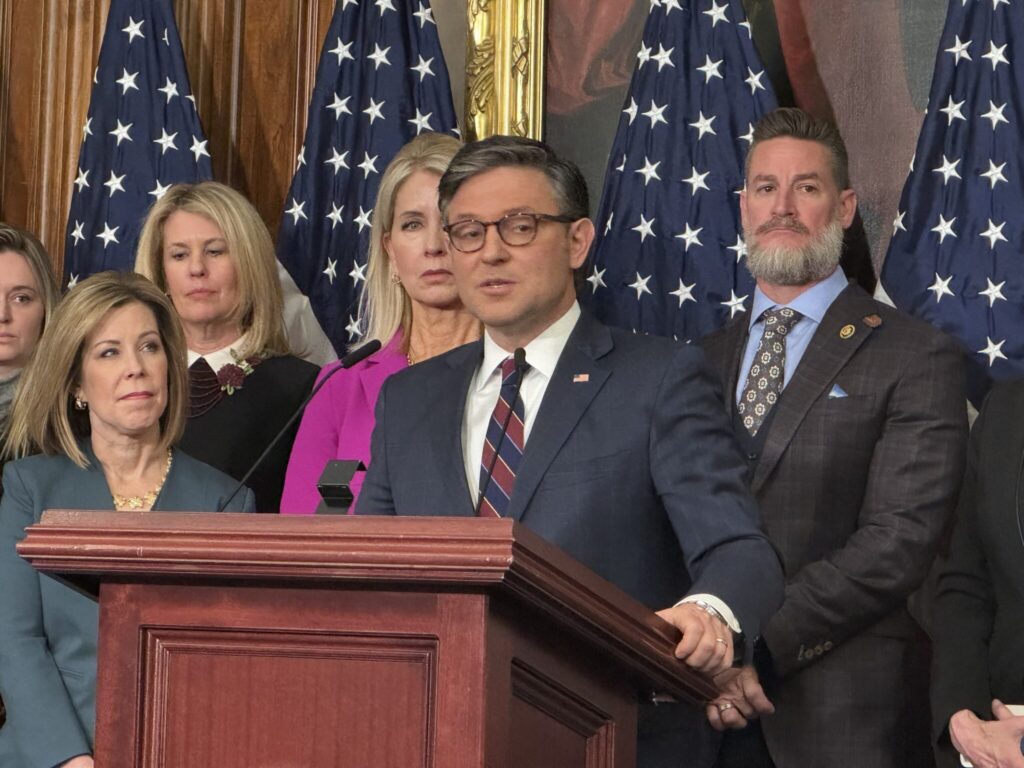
(248, 676)
(271, 642)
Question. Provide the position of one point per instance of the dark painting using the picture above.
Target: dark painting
(865, 65)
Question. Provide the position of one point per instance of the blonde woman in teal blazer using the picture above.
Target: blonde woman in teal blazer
(101, 404)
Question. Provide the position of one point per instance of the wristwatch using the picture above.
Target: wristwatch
(739, 641)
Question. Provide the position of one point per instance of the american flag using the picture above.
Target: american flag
(141, 136)
(958, 237)
(380, 82)
(668, 258)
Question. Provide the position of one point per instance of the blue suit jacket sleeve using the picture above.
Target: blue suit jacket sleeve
(700, 475)
(375, 497)
(42, 719)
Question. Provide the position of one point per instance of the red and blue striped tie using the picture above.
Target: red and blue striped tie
(510, 448)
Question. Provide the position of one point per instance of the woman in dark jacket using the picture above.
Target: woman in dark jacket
(207, 248)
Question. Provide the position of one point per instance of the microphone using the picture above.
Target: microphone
(519, 356)
(352, 358)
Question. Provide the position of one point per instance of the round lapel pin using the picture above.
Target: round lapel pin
(846, 331)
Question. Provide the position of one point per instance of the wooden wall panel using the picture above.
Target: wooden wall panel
(210, 34)
(49, 49)
(252, 65)
(20, 99)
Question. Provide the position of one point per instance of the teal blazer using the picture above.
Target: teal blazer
(48, 630)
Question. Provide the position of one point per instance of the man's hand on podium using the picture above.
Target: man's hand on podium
(707, 641)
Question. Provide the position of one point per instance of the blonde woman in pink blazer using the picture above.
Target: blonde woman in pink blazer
(410, 304)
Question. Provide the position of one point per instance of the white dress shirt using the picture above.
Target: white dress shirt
(542, 355)
(812, 305)
(221, 357)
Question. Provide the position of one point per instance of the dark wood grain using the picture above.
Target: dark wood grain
(250, 640)
(50, 48)
(410, 551)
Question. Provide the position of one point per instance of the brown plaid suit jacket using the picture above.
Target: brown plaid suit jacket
(856, 488)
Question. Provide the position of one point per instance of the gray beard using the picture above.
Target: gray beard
(796, 266)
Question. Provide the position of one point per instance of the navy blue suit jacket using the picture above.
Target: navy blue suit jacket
(630, 467)
(48, 630)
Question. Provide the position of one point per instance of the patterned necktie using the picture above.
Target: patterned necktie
(510, 449)
(767, 372)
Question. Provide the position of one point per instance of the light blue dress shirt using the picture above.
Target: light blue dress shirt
(812, 304)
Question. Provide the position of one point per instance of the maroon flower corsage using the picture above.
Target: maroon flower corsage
(232, 376)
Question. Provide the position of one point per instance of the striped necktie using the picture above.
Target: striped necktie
(509, 449)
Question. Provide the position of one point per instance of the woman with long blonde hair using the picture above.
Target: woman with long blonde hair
(95, 425)
(207, 248)
(410, 304)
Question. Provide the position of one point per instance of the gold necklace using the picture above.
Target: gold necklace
(146, 500)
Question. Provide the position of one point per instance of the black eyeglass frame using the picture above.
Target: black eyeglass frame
(537, 218)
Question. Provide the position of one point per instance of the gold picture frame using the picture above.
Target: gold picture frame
(505, 68)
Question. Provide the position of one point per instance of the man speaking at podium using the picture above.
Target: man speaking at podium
(612, 446)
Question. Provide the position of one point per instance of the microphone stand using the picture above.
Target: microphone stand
(356, 356)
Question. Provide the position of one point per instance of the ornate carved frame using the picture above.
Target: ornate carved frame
(505, 67)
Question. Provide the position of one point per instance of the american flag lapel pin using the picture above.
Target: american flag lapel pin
(581, 378)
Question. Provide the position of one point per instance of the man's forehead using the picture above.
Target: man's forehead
(792, 157)
(789, 148)
(502, 190)
(799, 175)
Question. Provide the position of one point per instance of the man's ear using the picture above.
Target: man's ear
(581, 236)
(847, 207)
(743, 207)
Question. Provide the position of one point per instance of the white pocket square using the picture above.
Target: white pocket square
(837, 391)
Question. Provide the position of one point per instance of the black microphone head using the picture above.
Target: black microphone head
(519, 356)
(360, 354)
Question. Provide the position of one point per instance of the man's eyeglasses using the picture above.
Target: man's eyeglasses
(514, 229)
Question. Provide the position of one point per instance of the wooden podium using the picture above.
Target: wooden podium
(262, 641)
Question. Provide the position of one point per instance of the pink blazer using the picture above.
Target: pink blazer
(337, 424)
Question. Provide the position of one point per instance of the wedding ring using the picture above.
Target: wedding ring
(724, 706)
(720, 640)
